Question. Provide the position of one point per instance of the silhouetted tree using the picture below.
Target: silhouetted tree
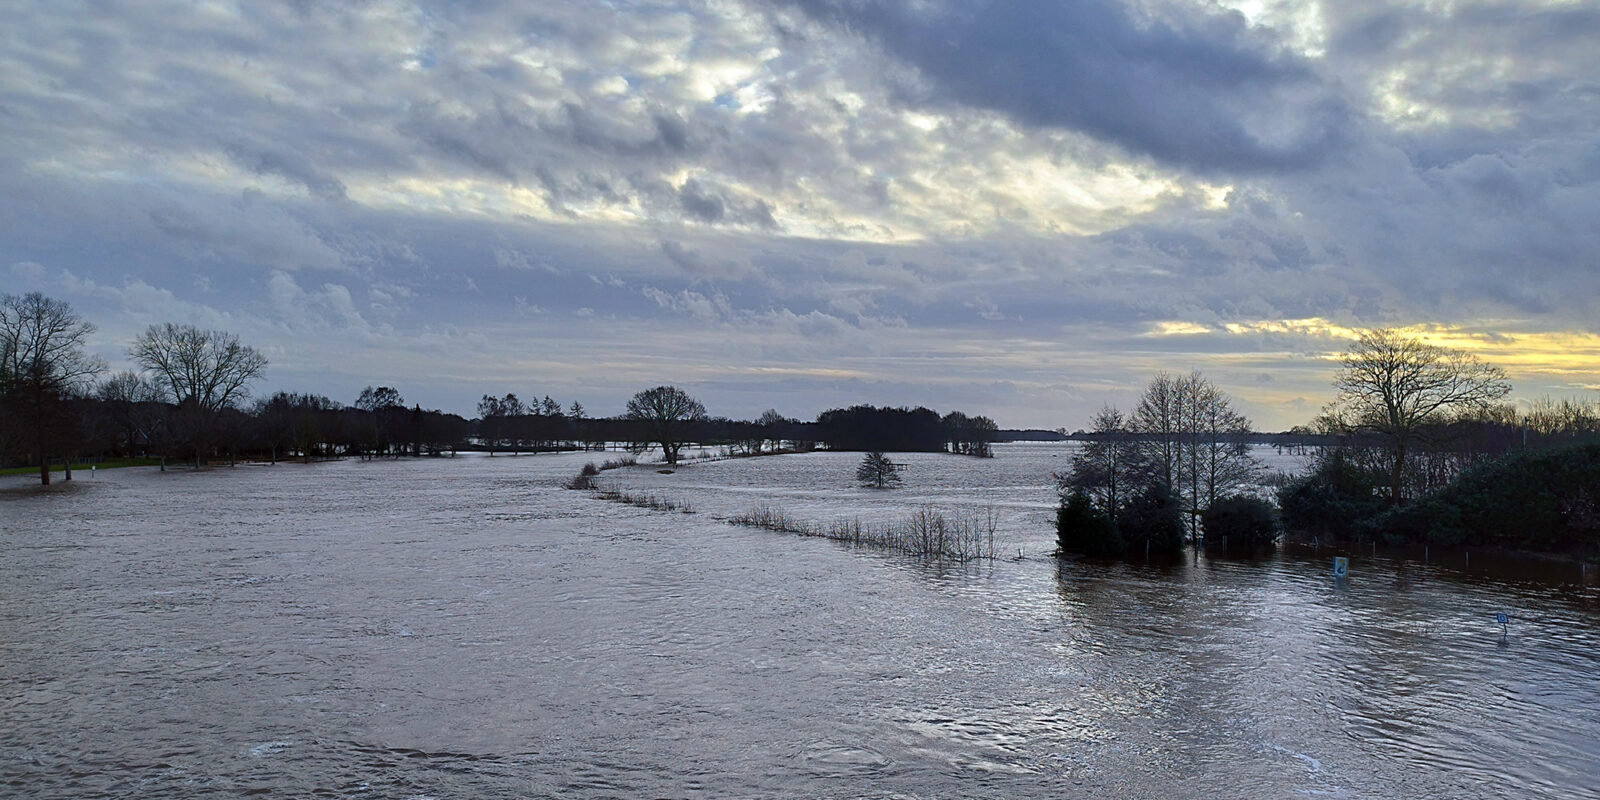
(665, 415)
(387, 410)
(1106, 468)
(204, 372)
(773, 428)
(274, 424)
(42, 366)
(577, 425)
(877, 470)
(1084, 529)
(1396, 387)
(490, 421)
(969, 436)
(869, 428)
(1191, 442)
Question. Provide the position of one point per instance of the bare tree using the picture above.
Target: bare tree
(42, 366)
(1192, 442)
(1396, 387)
(1158, 419)
(666, 414)
(204, 371)
(1568, 416)
(210, 370)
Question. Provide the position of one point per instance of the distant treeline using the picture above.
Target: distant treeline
(905, 430)
(127, 416)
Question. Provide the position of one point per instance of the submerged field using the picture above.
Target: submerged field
(467, 628)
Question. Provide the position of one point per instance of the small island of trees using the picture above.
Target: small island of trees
(1416, 448)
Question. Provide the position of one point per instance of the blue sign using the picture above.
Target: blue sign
(1501, 618)
(1341, 566)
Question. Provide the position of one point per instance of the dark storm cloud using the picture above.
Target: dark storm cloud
(1198, 90)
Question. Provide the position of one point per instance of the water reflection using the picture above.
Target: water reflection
(471, 629)
(1400, 666)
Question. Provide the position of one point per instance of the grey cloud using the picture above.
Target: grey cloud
(266, 160)
(1203, 91)
(707, 204)
(699, 203)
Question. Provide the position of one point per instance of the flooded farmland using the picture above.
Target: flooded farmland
(468, 628)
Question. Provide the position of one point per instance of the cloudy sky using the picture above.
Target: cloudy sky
(1022, 209)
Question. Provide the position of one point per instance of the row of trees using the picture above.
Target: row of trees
(507, 423)
(1426, 451)
(1408, 423)
(46, 376)
(42, 367)
(188, 399)
(1402, 401)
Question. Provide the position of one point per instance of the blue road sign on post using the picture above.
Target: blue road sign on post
(1341, 566)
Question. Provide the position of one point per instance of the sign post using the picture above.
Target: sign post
(1341, 567)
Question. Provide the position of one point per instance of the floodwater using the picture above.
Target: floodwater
(466, 628)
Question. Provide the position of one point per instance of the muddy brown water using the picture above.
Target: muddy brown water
(466, 628)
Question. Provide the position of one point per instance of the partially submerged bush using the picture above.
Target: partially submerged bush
(1336, 500)
(1149, 522)
(1083, 529)
(650, 501)
(1545, 500)
(1243, 522)
(1152, 520)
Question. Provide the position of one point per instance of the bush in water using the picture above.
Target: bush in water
(1083, 529)
(1153, 520)
(1336, 500)
(1243, 522)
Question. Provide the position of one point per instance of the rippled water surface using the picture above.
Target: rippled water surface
(466, 628)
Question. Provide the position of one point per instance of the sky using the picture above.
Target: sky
(1020, 209)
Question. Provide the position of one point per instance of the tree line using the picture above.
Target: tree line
(189, 400)
(905, 430)
(1409, 423)
(1426, 451)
